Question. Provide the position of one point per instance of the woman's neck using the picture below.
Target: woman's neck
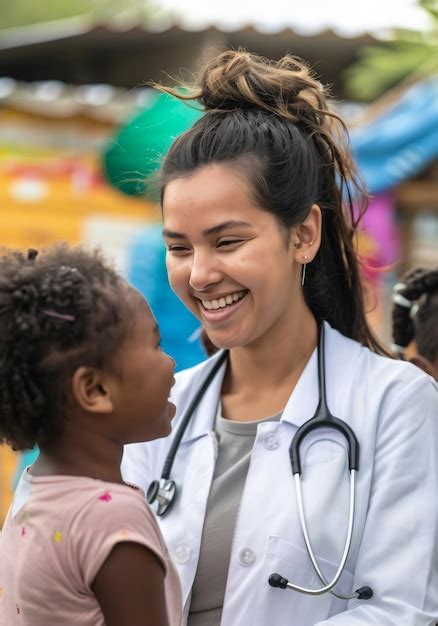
(261, 377)
(274, 362)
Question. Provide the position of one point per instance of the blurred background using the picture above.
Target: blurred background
(80, 133)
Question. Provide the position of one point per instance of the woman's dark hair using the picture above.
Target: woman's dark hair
(58, 311)
(415, 312)
(272, 119)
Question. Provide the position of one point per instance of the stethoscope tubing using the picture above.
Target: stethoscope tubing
(324, 419)
(164, 490)
(170, 458)
(328, 586)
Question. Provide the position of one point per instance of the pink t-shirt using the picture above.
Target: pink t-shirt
(57, 535)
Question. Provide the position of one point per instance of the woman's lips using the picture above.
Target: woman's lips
(222, 314)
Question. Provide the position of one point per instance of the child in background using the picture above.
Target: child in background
(81, 374)
(415, 317)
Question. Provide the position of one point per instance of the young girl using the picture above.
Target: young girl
(81, 374)
(415, 317)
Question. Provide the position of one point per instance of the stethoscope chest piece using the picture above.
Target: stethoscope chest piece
(162, 491)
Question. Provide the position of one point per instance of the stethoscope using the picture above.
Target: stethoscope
(164, 491)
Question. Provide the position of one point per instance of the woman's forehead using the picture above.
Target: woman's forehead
(215, 185)
(210, 197)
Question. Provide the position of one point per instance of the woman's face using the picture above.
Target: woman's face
(227, 259)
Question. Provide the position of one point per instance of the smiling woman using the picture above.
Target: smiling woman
(215, 265)
(260, 235)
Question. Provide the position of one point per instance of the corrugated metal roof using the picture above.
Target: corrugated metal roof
(58, 100)
(102, 102)
(79, 26)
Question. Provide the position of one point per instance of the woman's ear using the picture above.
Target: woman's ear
(90, 392)
(306, 238)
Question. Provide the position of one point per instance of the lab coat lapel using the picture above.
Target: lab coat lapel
(303, 401)
(194, 467)
(202, 421)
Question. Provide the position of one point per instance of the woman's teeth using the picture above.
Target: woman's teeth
(222, 302)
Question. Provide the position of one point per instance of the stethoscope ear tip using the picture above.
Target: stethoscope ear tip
(276, 580)
(364, 593)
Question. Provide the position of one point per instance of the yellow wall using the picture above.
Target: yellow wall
(8, 460)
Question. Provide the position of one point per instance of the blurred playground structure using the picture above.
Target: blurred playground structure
(77, 127)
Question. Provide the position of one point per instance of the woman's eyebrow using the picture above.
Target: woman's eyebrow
(209, 231)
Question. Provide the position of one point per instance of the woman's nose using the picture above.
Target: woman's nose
(203, 272)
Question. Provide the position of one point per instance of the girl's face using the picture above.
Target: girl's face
(227, 259)
(143, 379)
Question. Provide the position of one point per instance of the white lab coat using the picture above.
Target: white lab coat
(393, 408)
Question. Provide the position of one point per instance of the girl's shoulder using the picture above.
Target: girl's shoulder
(110, 502)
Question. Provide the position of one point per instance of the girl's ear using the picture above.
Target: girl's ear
(424, 364)
(90, 392)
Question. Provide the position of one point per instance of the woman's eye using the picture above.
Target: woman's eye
(177, 249)
(228, 242)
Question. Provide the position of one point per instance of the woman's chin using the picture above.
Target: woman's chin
(225, 341)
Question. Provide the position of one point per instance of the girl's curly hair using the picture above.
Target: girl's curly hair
(58, 311)
(415, 312)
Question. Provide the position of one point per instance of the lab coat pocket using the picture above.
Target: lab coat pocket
(285, 607)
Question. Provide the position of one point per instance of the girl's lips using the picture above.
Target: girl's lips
(170, 410)
(220, 315)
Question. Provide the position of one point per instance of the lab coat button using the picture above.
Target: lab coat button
(271, 442)
(246, 557)
(182, 553)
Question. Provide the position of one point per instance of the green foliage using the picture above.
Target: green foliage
(26, 12)
(410, 55)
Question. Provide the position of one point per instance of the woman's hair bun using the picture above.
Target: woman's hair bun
(237, 79)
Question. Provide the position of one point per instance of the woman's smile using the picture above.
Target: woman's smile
(221, 308)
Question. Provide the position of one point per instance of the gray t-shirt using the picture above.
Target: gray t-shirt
(235, 444)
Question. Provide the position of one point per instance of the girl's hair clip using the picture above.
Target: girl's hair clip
(59, 316)
(398, 287)
(414, 310)
(416, 306)
(397, 298)
(64, 268)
